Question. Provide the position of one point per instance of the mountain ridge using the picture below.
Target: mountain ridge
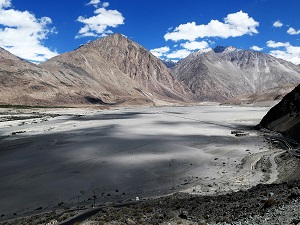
(91, 76)
(225, 72)
(118, 71)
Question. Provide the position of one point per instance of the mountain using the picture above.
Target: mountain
(169, 64)
(109, 71)
(154, 78)
(285, 116)
(24, 83)
(225, 72)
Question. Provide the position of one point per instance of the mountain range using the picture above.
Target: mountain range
(117, 71)
(109, 71)
(225, 72)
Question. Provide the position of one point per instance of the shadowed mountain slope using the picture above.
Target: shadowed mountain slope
(285, 116)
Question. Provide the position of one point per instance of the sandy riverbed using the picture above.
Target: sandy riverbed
(126, 153)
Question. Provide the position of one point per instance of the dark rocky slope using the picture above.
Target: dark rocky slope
(285, 116)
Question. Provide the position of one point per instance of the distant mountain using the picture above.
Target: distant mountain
(285, 116)
(169, 64)
(265, 98)
(225, 72)
(109, 71)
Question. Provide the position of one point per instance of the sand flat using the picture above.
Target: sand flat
(124, 153)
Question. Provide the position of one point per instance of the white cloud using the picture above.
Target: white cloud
(96, 26)
(5, 4)
(195, 45)
(22, 33)
(289, 53)
(159, 52)
(105, 4)
(273, 44)
(277, 24)
(235, 24)
(256, 48)
(292, 31)
(178, 54)
(94, 3)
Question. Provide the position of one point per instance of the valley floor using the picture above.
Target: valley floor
(53, 160)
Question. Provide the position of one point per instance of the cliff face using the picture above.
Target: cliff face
(285, 116)
(226, 72)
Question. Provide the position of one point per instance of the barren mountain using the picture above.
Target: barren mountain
(285, 116)
(24, 83)
(225, 72)
(139, 64)
(111, 70)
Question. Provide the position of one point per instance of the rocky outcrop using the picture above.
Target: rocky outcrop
(226, 72)
(285, 116)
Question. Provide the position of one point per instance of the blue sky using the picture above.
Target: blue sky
(38, 30)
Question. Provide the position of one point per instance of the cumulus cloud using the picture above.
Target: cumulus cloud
(287, 51)
(159, 52)
(195, 45)
(21, 33)
(256, 48)
(277, 24)
(97, 25)
(234, 25)
(273, 44)
(292, 31)
(178, 54)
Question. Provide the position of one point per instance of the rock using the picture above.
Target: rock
(269, 203)
(182, 216)
(130, 221)
(295, 193)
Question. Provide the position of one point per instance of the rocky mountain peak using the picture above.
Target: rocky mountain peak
(116, 69)
(113, 41)
(221, 49)
(141, 66)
